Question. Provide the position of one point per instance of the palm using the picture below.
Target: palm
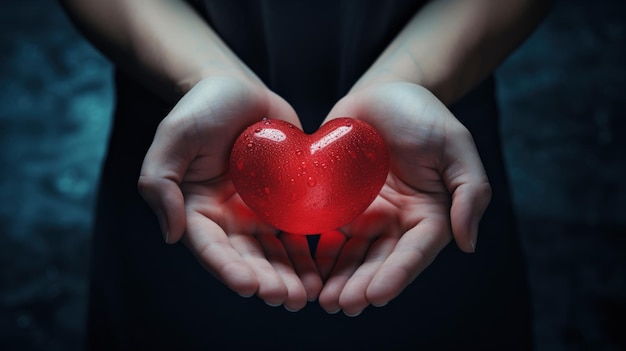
(396, 209)
(217, 199)
(432, 162)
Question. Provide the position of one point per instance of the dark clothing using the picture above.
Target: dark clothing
(147, 295)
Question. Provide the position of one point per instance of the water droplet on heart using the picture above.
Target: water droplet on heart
(316, 163)
(324, 165)
(267, 190)
(292, 181)
(348, 124)
(250, 145)
(303, 165)
(338, 158)
(311, 182)
(258, 130)
(266, 121)
(298, 152)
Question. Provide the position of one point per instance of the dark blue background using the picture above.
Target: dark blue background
(563, 99)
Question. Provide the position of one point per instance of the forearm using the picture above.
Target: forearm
(451, 45)
(164, 44)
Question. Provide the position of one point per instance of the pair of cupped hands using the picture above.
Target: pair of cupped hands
(436, 190)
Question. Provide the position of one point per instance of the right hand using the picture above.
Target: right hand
(185, 180)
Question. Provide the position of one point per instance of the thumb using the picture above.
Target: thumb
(161, 174)
(467, 181)
(469, 202)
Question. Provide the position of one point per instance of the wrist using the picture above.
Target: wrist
(244, 75)
(379, 76)
(383, 73)
(404, 68)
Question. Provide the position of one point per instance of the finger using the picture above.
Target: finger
(166, 201)
(351, 256)
(467, 181)
(263, 259)
(297, 247)
(296, 295)
(353, 299)
(280, 109)
(212, 248)
(343, 108)
(161, 173)
(415, 250)
(327, 252)
(469, 202)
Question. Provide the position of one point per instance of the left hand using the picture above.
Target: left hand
(436, 190)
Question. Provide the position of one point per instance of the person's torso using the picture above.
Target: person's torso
(308, 52)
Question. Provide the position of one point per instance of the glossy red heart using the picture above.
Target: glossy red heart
(309, 184)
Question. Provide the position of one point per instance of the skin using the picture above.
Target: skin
(436, 191)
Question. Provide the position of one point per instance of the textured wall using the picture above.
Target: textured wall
(563, 97)
(55, 102)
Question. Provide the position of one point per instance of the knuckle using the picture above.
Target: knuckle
(146, 184)
(484, 190)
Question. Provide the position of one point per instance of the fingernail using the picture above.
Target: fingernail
(334, 312)
(272, 304)
(163, 225)
(352, 314)
(290, 310)
(474, 233)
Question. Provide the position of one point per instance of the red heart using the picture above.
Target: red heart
(308, 184)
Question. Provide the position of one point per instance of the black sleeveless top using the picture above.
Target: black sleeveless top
(146, 295)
